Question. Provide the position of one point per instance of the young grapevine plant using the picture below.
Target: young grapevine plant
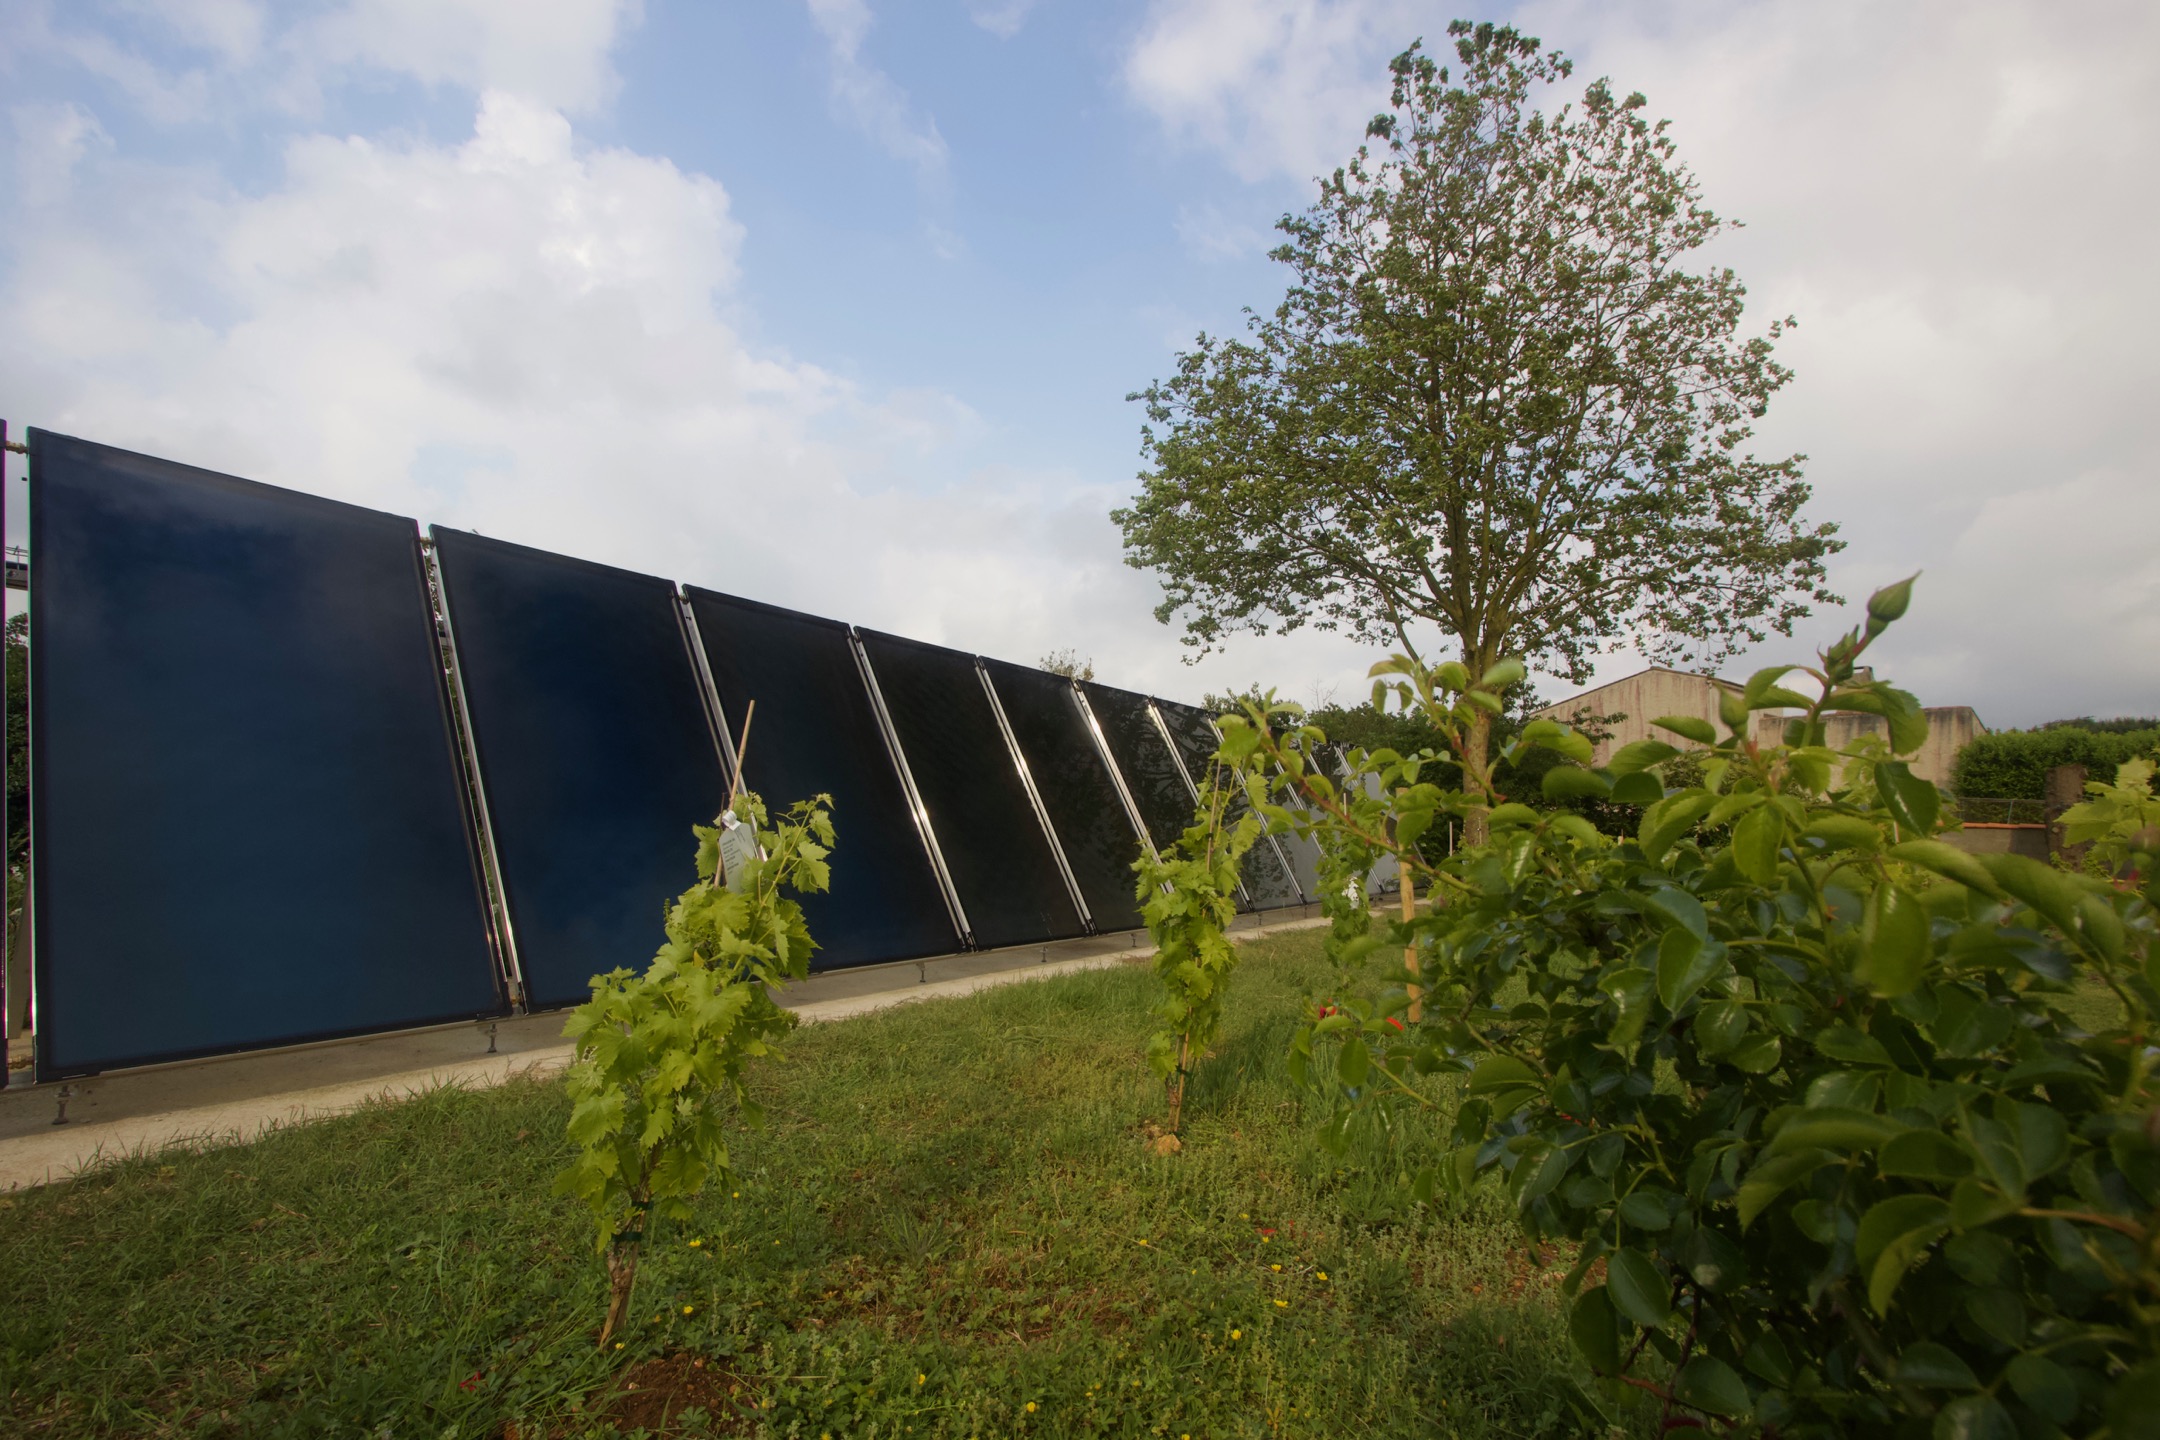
(661, 1054)
(1848, 1131)
(1188, 897)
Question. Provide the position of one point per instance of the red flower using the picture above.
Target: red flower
(470, 1383)
(1395, 1022)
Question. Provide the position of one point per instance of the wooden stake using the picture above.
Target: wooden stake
(1409, 954)
(742, 754)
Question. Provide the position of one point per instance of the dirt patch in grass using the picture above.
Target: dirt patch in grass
(681, 1394)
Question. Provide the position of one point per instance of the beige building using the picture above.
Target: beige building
(1645, 696)
(1650, 694)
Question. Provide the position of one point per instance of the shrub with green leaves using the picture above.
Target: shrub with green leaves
(2014, 763)
(660, 1054)
(1851, 1132)
(1188, 897)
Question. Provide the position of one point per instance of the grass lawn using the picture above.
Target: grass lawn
(952, 1226)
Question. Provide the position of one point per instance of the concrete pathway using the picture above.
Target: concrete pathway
(234, 1099)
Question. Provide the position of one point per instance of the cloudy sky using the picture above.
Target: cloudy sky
(836, 303)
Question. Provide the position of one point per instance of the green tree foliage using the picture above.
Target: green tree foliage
(2014, 763)
(1852, 1132)
(660, 1055)
(1068, 662)
(1493, 401)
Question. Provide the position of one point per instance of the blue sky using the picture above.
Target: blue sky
(837, 303)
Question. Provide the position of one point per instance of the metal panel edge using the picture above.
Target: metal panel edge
(723, 735)
(1027, 783)
(1162, 728)
(1274, 845)
(916, 809)
(495, 896)
(1117, 776)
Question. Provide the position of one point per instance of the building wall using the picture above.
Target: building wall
(1641, 698)
(1649, 694)
(1949, 728)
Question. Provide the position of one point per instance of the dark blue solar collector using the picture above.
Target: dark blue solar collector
(596, 753)
(248, 824)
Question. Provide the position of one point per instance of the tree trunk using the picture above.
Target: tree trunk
(1177, 1087)
(1477, 776)
(622, 1258)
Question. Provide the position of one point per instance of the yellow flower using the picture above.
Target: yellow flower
(1274, 1267)
(922, 1379)
(1143, 1240)
(1267, 1239)
(1031, 1407)
(1244, 1217)
(1323, 1274)
(1237, 1334)
(1282, 1304)
(689, 1309)
(618, 1344)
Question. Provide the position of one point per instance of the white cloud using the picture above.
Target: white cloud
(1002, 18)
(868, 97)
(246, 55)
(530, 336)
(1950, 197)
(553, 51)
(1210, 232)
(1276, 87)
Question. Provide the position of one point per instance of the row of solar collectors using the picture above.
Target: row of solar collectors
(281, 752)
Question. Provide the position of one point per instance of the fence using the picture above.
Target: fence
(301, 772)
(1999, 810)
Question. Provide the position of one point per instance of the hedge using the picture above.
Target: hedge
(2014, 763)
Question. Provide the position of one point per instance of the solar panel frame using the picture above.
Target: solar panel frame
(887, 900)
(1001, 857)
(1270, 883)
(1079, 787)
(249, 823)
(1156, 781)
(595, 748)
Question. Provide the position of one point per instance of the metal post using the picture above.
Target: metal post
(504, 934)
(708, 688)
(1027, 783)
(1117, 776)
(916, 807)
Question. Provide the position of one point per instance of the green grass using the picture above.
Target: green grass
(952, 1215)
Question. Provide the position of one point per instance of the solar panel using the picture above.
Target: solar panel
(1267, 877)
(248, 820)
(1001, 862)
(1151, 772)
(816, 732)
(595, 751)
(1077, 790)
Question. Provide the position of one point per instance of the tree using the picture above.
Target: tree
(1492, 401)
(1069, 663)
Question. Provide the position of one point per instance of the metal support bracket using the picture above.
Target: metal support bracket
(1027, 783)
(916, 807)
(503, 934)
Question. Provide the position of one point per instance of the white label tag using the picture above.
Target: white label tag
(738, 847)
